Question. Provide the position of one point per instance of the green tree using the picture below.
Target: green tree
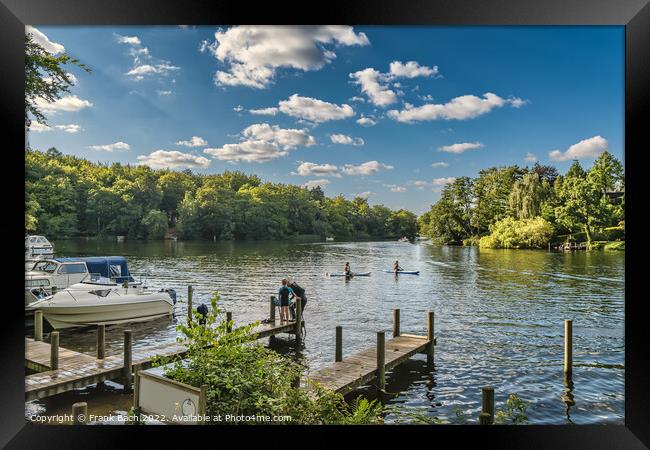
(155, 223)
(492, 191)
(528, 195)
(45, 77)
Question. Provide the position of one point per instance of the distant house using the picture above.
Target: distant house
(615, 196)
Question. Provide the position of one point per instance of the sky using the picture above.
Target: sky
(388, 113)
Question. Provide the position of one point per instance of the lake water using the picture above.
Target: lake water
(499, 318)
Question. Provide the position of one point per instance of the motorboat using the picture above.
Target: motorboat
(48, 275)
(38, 247)
(98, 300)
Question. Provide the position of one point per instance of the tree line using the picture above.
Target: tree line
(68, 196)
(514, 207)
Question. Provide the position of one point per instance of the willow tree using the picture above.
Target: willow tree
(528, 195)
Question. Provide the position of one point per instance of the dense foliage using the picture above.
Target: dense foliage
(68, 196)
(511, 207)
(246, 379)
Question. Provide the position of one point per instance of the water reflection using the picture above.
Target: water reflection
(499, 314)
(568, 398)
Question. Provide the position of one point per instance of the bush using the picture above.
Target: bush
(513, 233)
(245, 378)
(471, 241)
(616, 245)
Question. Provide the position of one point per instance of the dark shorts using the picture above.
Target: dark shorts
(284, 302)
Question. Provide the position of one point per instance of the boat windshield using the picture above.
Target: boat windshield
(45, 266)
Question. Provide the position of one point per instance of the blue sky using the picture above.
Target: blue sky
(392, 113)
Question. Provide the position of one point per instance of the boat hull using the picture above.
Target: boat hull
(404, 272)
(341, 274)
(70, 316)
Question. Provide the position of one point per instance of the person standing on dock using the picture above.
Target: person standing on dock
(283, 293)
(298, 293)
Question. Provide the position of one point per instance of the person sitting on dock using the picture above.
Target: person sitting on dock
(283, 293)
(396, 267)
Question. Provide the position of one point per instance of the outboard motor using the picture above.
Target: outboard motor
(203, 310)
(171, 292)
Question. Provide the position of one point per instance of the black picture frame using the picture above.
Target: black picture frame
(633, 14)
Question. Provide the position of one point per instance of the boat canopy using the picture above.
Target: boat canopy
(113, 267)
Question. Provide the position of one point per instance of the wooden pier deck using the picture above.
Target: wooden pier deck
(77, 370)
(357, 370)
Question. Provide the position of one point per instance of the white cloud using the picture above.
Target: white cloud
(411, 69)
(71, 128)
(131, 40)
(459, 108)
(530, 157)
(439, 165)
(164, 93)
(365, 194)
(111, 147)
(262, 142)
(372, 84)
(68, 103)
(38, 127)
(264, 111)
(366, 122)
(460, 147)
(395, 187)
(311, 184)
(238, 108)
(255, 53)
(314, 110)
(307, 169)
(71, 77)
(517, 102)
(443, 181)
(44, 41)
(587, 148)
(421, 184)
(139, 72)
(163, 159)
(367, 168)
(196, 141)
(346, 140)
(357, 99)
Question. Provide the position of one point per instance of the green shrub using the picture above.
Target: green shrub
(245, 378)
(513, 233)
(471, 241)
(616, 245)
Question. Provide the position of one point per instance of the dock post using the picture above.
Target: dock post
(396, 322)
(298, 320)
(38, 325)
(338, 354)
(101, 341)
(431, 337)
(488, 403)
(190, 290)
(568, 348)
(128, 360)
(272, 309)
(54, 350)
(136, 393)
(203, 404)
(228, 321)
(484, 419)
(79, 413)
(381, 360)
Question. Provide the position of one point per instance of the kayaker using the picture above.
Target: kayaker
(283, 293)
(346, 271)
(396, 267)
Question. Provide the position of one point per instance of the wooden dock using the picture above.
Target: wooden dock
(60, 369)
(345, 375)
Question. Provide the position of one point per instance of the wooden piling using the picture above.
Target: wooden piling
(79, 413)
(38, 325)
(136, 391)
(128, 360)
(488, 402)
(484, 419)
(228, 321)
(203, 404)
(272, 309)
(298, 320)
(430, 336)
(568, 348)
(396, 322)
(101, 341)
(381, 360)
(190, 290)
(338, 354)
(54, 350)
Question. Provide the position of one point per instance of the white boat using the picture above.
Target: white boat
(102, 301)
(329, 239)
(38, 247)
(403, 239)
